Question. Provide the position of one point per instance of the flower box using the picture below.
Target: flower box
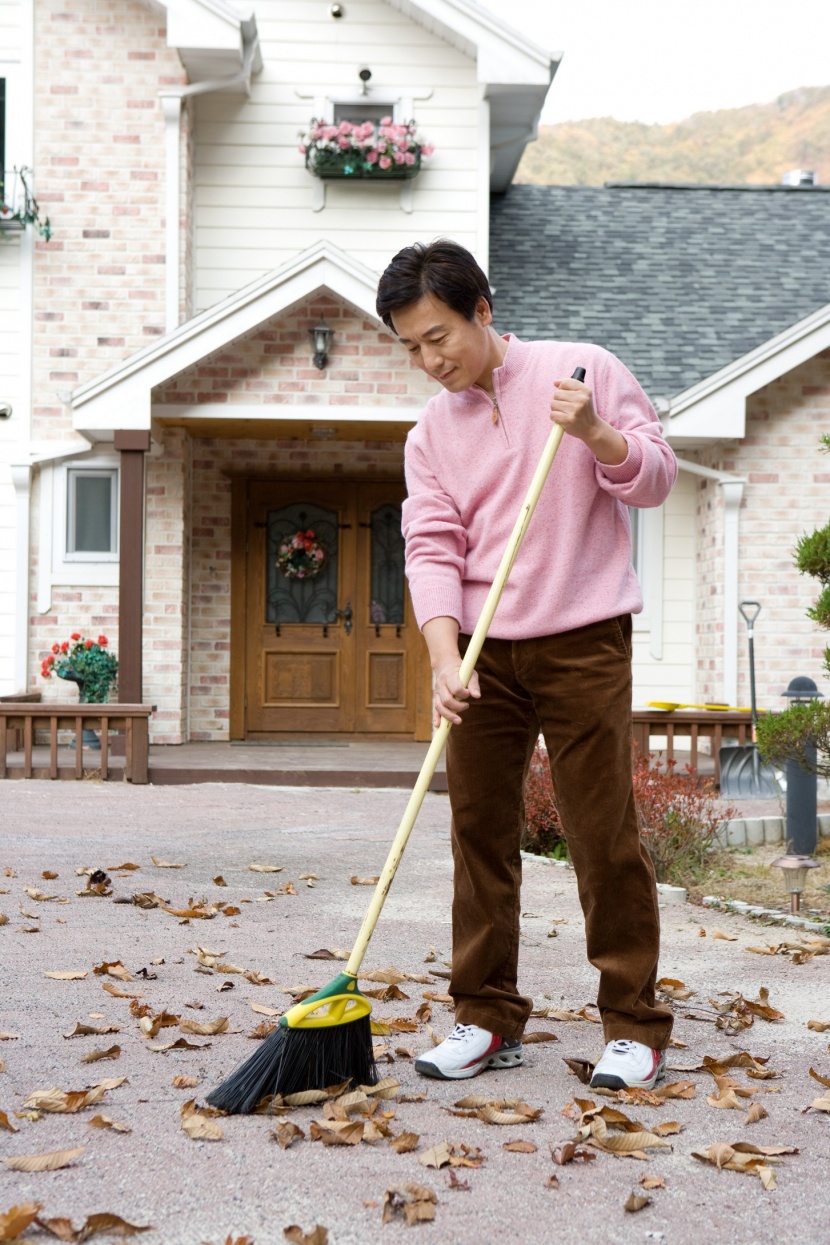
(364, 152)
(354, 168)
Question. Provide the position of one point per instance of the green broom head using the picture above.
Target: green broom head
(322, 1041)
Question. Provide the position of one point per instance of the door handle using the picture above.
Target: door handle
(347, 616)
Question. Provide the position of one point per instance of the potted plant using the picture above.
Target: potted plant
(357, 151)
(89, 664)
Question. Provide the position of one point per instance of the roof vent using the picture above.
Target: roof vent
(800, 177)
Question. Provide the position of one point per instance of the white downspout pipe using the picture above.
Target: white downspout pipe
(171, 103)
(733, 491)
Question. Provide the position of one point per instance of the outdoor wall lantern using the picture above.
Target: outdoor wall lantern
(320, 335)
(795, 869)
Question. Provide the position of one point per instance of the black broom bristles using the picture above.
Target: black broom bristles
(292, 1060)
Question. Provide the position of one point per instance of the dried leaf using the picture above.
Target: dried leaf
(118, 994)
(719, 933)
(104, 1121)
(64, 1103)
(6, 1123)
(673, 989)
(112, 1052)
(404, 1142)
(337, 1133)
(266, 868)
(669, 1129)
(756, 1112)
(325, 953)
(820, 1026)
(540, 1036)
(652, 1182)
(570, 1152)
(523, 1114)
(306, 1098)
(166, 864)
(197, 1124)
(68, 975)
(287, 1133)
(317, 1236)
(636, 1201)
(582, 1069)
(413, 1202)
(210, 1029)
(17, 1219)
(520, 1147)
(44, 1162)
(387, 1087)
(823, 1080)
(179, 1044)
(437, 1156)
(677, 1089)
(357, 881)
(114, 969)
(185, 1082)
(82, 1030)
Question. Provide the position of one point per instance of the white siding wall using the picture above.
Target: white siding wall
(672, 676)
(253, 194)
(10, 26)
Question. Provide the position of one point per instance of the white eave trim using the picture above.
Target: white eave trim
(474, 29)
(322, 266)
(715, 408)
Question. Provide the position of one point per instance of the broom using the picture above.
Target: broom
(327, 1038)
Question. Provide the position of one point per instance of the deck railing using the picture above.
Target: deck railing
(682, 730)
(21, 720)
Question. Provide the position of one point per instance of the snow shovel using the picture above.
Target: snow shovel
(742, 774)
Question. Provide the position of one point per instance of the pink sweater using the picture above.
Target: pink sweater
(467, 478)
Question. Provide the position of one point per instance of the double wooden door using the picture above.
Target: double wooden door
(331, 644)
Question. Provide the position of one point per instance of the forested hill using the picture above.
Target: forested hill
(756, 144)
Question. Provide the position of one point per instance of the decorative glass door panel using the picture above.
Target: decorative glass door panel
(330, 644)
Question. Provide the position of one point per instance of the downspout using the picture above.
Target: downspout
(732, 492)
(171, 104)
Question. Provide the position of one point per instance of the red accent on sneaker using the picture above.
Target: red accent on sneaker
(491, 1049)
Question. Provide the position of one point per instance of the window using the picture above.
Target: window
(91, 514)
(358, 113)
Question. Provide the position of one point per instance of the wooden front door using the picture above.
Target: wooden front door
(331, 645)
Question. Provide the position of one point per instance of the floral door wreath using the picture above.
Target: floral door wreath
(301, 557)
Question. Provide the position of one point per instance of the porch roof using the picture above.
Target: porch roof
(122, 397)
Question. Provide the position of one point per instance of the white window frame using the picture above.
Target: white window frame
(94, 471)
(400, 110)
(62, 568)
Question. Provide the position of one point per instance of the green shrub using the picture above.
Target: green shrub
(678, 813)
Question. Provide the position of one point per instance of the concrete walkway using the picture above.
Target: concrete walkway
(201, 1191)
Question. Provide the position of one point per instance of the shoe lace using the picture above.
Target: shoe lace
(460, 1032)
(622, 1046)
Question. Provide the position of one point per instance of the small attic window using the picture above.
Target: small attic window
(358, 113)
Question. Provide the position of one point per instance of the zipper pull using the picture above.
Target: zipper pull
(495, 412)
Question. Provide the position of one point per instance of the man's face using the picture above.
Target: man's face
(452, 350)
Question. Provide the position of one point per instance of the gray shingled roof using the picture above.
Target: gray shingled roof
(676, 280)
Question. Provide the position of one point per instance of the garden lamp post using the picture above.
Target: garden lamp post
(802, 784)
(794, 869)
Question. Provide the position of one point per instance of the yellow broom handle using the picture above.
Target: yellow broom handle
(474, 648)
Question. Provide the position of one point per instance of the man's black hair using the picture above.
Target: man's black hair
(444, 269)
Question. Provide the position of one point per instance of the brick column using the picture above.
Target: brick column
(132, 447)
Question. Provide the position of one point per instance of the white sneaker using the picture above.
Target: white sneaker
(628, 1065)
(467, 1051)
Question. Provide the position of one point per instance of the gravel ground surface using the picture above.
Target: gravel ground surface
(194, 1191)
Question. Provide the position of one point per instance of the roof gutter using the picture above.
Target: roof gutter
(171, 103)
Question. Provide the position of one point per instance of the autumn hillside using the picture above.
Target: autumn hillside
(755, 144)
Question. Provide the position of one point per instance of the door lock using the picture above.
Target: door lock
(347, 616)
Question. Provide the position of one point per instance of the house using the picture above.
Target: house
(171, 430)
(178, 430)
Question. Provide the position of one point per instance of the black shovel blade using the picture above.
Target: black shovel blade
(744, 776)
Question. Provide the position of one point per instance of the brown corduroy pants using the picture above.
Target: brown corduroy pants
(576, 688)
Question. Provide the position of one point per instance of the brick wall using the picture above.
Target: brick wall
(273, 366)
(787, 493)
(99, 155)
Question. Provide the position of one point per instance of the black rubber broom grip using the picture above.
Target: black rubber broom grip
(579, 374)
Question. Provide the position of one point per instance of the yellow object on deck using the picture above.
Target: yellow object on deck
(669, 706)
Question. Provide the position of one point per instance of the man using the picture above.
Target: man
(558, 656)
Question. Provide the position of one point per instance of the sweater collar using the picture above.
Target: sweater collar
(510, 369)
